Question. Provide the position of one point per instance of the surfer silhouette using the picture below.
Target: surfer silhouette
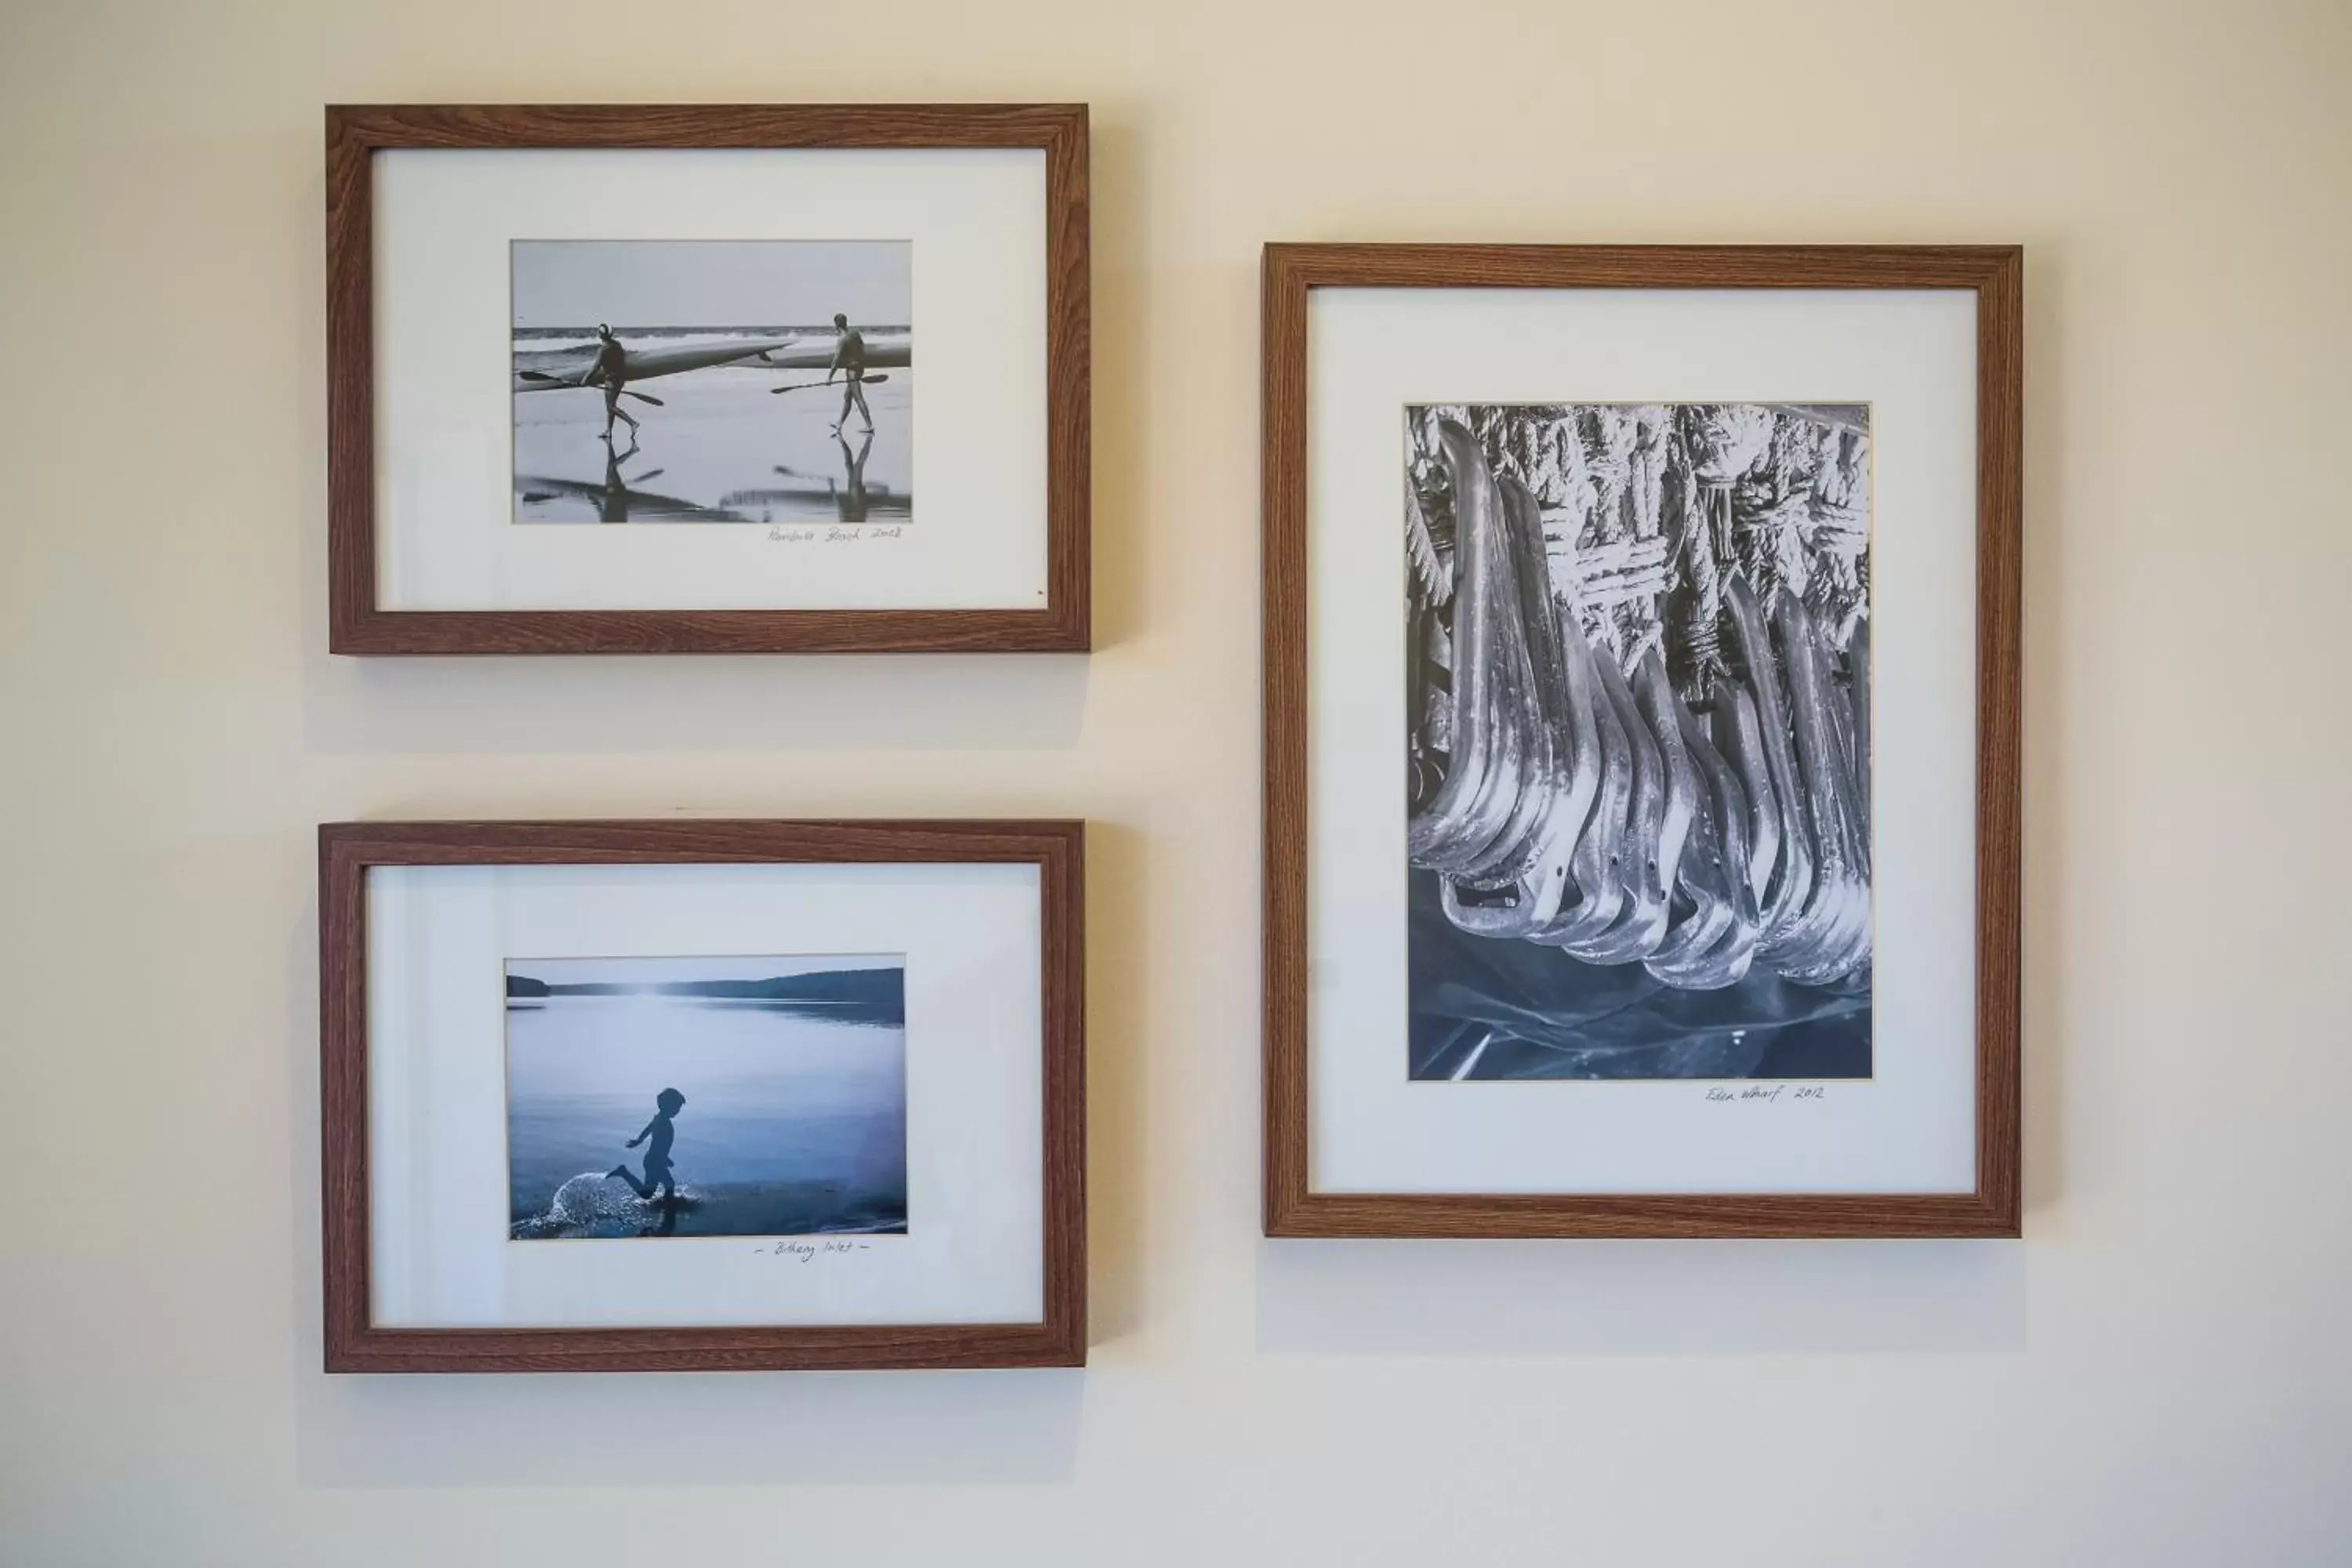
(669, 1104)
(610, 372)
(849, 355)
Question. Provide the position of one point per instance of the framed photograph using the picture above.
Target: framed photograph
(629, 379)
(677, 1095)
(1641, 770)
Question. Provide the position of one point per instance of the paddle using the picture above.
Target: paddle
(566, 380)
(804, 386)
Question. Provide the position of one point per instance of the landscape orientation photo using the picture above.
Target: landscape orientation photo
(713, 380)
(660, 1096)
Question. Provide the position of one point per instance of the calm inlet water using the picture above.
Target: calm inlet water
(794, 1123)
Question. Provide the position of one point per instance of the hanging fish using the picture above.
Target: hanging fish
(1571, 800)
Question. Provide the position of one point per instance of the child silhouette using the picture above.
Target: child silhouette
(667, 1104)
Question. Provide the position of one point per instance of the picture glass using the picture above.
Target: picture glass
(713, 380)
(705, 1094)
(679, 379)
(1642, 742)
(763, 1096)
(1638, 740)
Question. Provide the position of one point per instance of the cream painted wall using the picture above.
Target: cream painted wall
(2158, 1374)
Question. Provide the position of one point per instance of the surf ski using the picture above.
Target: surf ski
(556, 370)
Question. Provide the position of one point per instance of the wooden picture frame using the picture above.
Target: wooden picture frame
(357, 621)
(1291, 273)
(353, 1342)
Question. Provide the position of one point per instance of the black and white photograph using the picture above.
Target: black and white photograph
(1638, 749)
(682, 1097)
(713, 380)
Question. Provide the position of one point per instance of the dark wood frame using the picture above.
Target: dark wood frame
(346, 851)
(356, 625)
(1995, 273)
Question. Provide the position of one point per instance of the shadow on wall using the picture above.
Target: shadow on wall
(630, 1430)
(1118, 1001)
(523, 705)
(775, 702)
(621, 1429)
(1639, 1297)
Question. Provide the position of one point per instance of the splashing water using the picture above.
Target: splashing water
(594, 1204)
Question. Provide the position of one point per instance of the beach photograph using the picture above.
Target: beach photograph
(713, 380)
(682, 1097)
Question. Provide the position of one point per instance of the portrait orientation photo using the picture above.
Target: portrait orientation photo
(1641, 732)
(1639, 750)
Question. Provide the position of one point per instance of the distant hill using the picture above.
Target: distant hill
(857, 995)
